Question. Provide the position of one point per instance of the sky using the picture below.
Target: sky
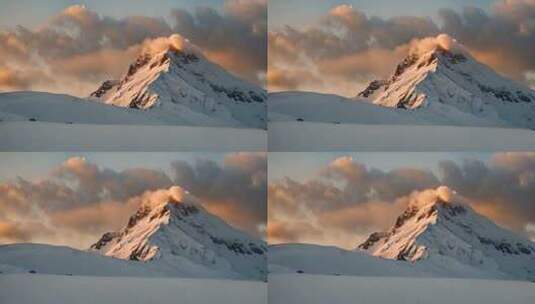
(72, 47)
(298, 13)
(299, 166)
(338, 199)
(339, 47)
(72, 199)
(16, 164)
(32, 13)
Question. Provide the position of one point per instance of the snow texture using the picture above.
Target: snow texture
(53, 289)
(320, 289)
(22, 136)
(297, 136)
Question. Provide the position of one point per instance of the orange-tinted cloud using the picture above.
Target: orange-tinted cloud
(77, 49)
(236, 38)
(236, 189)
(12, 80)
(347, 201)
(80, 200)
(347, 49)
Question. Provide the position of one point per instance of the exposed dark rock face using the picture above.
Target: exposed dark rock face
(104, 88)
(106, 237)
(372, 87)
(372, 239)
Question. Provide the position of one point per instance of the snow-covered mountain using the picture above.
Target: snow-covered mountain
(174, 77)
(176, 231)
(447, 78)
(437, 226)
(438, 235)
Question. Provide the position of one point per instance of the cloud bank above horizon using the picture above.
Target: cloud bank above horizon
(346, 49)
(77, 49)
(79, 200)
(347, 200)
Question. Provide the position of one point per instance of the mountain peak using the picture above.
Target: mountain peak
(424, 209)
(439, 225)
(440, 74)
(155, 210)
(172, 76)
(432, 51)
(172, 228)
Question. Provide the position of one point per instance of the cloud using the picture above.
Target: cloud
(13, 231)
(11, 79)
(174, 42)
(95, 183)
(347, 49)
(236, 38)
(419, 47)
(77, 49)
(236, 189)
(503, 189)
(346, 201)
(75, 203)
(79, 201)
(71, 49)
(502, 39)
(361, 184)
(344, 50)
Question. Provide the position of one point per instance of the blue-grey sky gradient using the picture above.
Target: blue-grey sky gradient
(32, 13)
(35, 165)
(302, 12)
(301, 166)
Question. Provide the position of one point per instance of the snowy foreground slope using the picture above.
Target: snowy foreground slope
(317, 122)
(31, 121)
(314, 259)
(47, 259)
(333, 109)
(65, 109)
(47, 107)
(320, 289)
(52, 289)
(436, 236)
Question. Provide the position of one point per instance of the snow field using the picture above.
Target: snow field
(321, 289)
(54, 289)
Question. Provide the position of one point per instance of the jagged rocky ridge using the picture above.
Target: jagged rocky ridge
(179, 231)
